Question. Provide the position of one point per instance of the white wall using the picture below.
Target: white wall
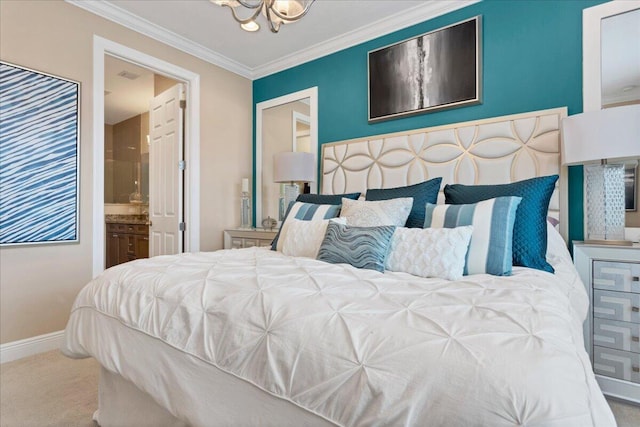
(39, 283)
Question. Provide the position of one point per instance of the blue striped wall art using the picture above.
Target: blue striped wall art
(39, 157)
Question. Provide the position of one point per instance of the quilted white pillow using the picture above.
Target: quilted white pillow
(303, 238)
(429, 252)
(365, 213)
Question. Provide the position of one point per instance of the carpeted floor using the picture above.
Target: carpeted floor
(50, 390)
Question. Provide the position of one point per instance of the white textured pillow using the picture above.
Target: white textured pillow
(429, 252)
(364, 213)
(303, 238)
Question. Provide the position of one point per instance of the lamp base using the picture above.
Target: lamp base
(604, 191)
(291, 193)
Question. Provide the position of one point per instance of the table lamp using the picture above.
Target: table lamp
(606, 135)
(291, 167)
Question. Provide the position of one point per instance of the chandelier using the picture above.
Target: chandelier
(275, 11)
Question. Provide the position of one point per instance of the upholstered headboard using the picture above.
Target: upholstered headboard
(489, 151)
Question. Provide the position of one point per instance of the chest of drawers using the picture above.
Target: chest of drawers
(611, 275)
(237, 239)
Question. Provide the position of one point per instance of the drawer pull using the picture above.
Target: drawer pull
(635, 368)
(115, 235)
(635, 309)
(635, 279)
(635, 339)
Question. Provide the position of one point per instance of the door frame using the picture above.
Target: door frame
(102, 47)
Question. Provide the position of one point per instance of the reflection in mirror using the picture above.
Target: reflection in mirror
(611, 67)
(620, 56)
(284, 124)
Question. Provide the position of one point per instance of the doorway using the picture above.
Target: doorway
(102, 48)
(133, 96)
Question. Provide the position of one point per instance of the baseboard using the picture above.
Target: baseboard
(27, 347)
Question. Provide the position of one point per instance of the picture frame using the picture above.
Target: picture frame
(433, 71)
(630, 186)
(39, 166)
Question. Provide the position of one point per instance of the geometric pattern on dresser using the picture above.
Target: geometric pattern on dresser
(623, 365)
(490, 151)
(616, 276)
(615, 334)
(616, 305)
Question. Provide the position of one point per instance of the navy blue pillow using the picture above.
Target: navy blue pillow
(326, 199)
(530, 227)
(422, 193)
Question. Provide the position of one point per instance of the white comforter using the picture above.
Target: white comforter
(358, 347)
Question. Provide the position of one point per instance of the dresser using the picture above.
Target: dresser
(611, 275)
(243, 238)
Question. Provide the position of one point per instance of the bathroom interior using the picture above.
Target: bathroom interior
(128, 92)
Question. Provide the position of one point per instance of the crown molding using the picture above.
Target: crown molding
(134, 22)
(398, 21)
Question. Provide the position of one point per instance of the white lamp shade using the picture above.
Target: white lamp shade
(611, 133)
(292, 166)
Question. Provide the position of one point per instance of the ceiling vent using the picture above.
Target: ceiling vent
(128, 75)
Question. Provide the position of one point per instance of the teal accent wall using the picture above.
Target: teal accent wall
(531, 60)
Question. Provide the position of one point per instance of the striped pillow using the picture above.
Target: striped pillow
(490, 249)
(362, 247)
(305, 212)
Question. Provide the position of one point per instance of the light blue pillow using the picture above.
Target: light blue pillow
(362, 247)
(306, 212)
(530, 228)
(490, 249)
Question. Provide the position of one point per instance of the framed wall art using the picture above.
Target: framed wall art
(39, 157)
(437, 70)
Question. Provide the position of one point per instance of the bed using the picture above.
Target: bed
(257, 337)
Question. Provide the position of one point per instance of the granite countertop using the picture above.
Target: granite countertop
(126, 219)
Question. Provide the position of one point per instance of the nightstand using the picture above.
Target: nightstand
(611, 275)
(242, 238)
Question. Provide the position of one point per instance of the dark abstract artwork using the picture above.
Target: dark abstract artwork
(437, 70)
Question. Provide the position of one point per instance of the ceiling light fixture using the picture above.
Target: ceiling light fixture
(276, 11)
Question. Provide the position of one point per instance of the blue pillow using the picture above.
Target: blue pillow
(326, 199)
(530, 227)
(422, 193)
(362, 247)
(307, 212)
(490, 248)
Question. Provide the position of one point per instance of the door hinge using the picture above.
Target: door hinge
(182, 165)
(183, 104)
(182, 226)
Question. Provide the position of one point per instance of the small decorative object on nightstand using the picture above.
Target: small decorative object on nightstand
(238, 239)
(611, 275)
(245, 206)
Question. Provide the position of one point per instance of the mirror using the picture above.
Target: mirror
(287, 123)
(611, 72)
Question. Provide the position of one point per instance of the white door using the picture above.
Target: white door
(166, 172)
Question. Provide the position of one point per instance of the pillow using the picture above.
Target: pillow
(326, 199)
(490, 249)
(422, 193)
(362, 247)
(530, 228)
(429, 252)
(305, 212)
(360, 213)
(303, 238)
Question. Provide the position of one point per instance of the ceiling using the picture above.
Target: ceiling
(209, 32)
(125, 97)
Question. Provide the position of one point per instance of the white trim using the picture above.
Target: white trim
(133, 22)
(103, 47)
(387, 25)
(28, 347)
(312, 94)
(398, 21)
